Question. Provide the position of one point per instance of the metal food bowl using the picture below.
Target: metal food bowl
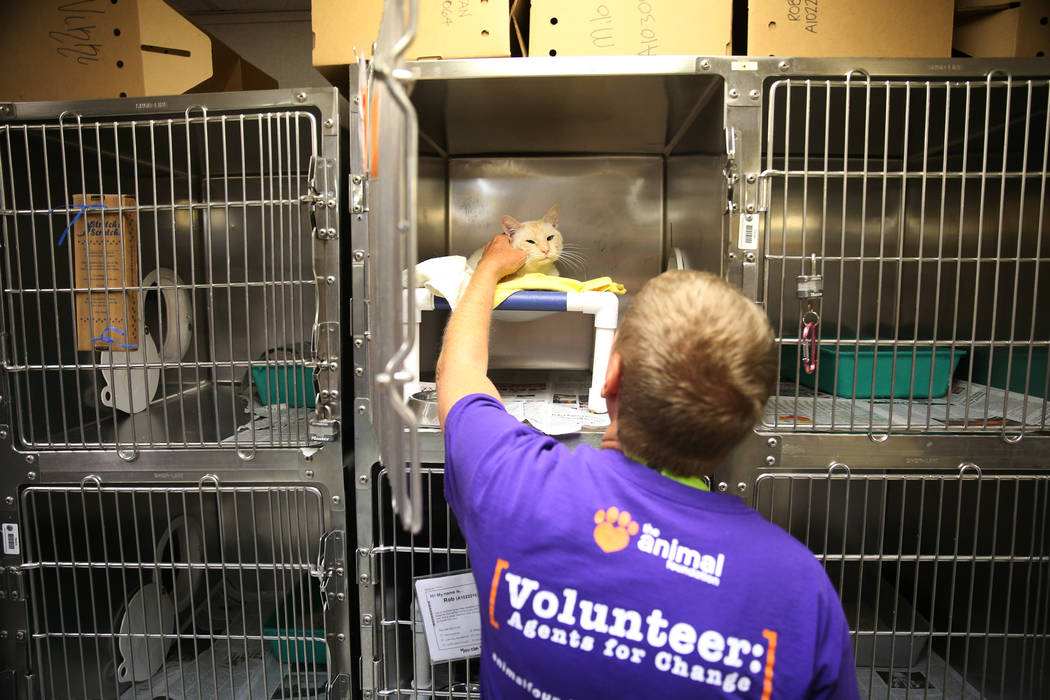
(424, 405)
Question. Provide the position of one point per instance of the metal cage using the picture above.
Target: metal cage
(172, 505)
(895, 207)
(175, 591)
(403, 666)
(945, 577)
(161, 278)
(904, 253)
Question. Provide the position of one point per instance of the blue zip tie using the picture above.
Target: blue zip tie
(82, 208)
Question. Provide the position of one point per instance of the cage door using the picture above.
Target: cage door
(391, 265)
(904, 246)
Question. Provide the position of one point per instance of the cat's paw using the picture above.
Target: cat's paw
(614, 529)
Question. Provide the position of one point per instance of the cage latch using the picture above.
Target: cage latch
(730, 171)
(321, 198)
(339, 688)
(810, 289)
(333, 559)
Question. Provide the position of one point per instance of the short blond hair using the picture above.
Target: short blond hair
(698, 364)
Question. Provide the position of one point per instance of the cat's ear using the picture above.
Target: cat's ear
(551, 217)
(510, 225)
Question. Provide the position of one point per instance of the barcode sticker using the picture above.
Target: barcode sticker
(11, 538)
(748, 233)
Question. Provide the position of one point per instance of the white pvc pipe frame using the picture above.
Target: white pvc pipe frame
(604, 306)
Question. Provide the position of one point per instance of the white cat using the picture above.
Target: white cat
(541, 241)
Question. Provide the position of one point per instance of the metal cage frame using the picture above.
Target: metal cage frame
(304, 458)
(1011, 465)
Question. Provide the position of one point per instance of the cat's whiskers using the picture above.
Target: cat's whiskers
(573, 261)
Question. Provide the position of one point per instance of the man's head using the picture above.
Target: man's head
(696, 365)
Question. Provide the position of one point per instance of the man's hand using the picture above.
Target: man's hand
(463, 365)
(500, 258)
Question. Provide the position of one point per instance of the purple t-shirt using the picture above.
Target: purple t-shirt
(599, 577)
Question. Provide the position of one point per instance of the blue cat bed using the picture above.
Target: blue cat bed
(604, 306)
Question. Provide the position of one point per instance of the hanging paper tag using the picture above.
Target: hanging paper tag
(448, 606)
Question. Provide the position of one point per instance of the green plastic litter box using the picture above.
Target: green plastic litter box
(890, 382)
(288, 381)
(297, 645)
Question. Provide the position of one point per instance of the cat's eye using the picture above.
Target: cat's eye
(550, 237)
(530, 241)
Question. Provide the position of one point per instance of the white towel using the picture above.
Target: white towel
(447, 276)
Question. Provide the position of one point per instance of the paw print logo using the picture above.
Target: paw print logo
(614, 529)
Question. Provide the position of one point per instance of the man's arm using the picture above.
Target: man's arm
(462, 368)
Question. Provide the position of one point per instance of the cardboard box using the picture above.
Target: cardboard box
(106, 261)
(447, 29)
(60, 50)
(630, 27)
(996, 29)
(892, 28)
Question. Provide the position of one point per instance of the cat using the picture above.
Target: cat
(541, 241)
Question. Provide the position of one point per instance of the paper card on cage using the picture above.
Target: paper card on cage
(447, 605)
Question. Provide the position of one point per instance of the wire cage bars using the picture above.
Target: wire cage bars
(944, 577)
(158, 284)
(404, 668)
(144, 592)
(905, 249)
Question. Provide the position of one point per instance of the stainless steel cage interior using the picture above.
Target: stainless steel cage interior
(897, 213)
(905, 251)
(199, 331)
(175, 592)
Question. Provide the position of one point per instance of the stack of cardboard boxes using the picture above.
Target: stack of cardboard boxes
(492, 28)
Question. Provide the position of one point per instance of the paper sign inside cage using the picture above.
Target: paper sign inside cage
(448, 608)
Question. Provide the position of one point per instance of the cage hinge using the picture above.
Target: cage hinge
(358, 194)
(13, 585)
(366, 559)
(339, 688)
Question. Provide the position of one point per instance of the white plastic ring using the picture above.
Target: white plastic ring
(178, 308)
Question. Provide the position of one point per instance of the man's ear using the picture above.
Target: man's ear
(613, 373)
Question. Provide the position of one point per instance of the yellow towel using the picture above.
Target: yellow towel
(536, 281)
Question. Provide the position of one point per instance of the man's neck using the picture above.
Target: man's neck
(610, 440)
